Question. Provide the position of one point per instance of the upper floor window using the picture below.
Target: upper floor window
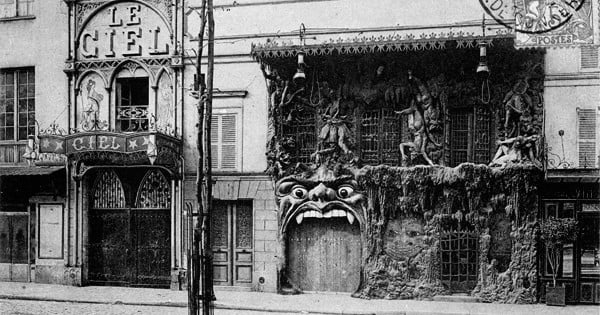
(225, 141)
(17, 104)
(469, 136)
(132, 104)
(16, 8)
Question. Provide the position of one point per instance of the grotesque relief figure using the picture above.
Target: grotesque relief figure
(91, 110)
(334, 136)
(517, 106)
(320, 194)
(419, 102)
(404, 238)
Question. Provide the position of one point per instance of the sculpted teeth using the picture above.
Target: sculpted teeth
(299, 218)
(329, 214)
(350, 218)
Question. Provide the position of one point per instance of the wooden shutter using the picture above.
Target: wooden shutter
(224, 142)
(589, 57)
(586, 137)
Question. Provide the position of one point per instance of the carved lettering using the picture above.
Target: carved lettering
(111, 43)
(133, 18)
(112, 11)
(92, 142)
(115, 145)
(154, 50)
(133, 48)
(84, 44)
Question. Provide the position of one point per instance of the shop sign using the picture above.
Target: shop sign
(124, 29)
(111, 142)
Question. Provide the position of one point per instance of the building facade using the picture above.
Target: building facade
(356, 147)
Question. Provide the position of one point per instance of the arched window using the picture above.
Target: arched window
(154, 191)
(108, 191)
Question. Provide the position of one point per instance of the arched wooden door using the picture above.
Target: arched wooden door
(129, 233)
(324, 254)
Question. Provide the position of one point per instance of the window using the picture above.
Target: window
(17, 104)
(470, 136)
(225, 142)
(15, 8)
(132, 104)
(380, 137)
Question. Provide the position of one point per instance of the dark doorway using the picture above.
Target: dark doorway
(324, 254)
(129, 229)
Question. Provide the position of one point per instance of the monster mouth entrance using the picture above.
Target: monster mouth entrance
(336, 213)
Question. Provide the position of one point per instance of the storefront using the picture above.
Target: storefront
(574, 193)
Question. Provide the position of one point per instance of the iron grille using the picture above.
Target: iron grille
(459, 259)
(380, 137)
(303, 131)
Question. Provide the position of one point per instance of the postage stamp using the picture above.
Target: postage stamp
(545, 22)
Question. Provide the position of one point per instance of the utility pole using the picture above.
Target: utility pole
(208, 295)
(200, 264)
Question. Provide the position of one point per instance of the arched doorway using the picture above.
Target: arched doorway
(129, 219)
(324, 254)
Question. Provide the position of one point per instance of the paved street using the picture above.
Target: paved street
(25, 307)
(35, 298)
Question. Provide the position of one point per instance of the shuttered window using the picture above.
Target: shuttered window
(586, 137)
(225, 142)
(589, 57)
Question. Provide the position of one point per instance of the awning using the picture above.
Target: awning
(28, 170)
(574, 175)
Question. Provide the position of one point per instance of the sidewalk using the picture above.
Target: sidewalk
(271, 302)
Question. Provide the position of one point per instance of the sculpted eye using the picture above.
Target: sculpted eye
(299, 192)
(345, 191)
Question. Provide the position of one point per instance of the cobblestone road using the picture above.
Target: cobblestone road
(24, 307)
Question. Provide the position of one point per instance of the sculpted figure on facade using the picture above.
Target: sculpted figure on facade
(517, 106)
(419, 103)
(516, 150)
(91, 111)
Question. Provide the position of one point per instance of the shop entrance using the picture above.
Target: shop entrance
(14, 246)
(129, 233)
(324, 254)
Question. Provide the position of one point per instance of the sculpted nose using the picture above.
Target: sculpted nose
(321, 193)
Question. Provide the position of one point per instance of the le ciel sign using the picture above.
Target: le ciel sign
(124, 29)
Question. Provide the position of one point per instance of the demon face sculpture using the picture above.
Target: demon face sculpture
(322, 195)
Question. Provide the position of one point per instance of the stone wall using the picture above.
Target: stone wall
(410, 208)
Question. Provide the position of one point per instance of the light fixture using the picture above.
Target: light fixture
(483, 70)
(300, 77)
(151, 151)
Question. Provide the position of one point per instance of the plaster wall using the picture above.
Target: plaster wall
(41, 43)
(567, 89)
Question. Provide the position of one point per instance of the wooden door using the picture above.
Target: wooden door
(14, 246)
(231, 238)
(151, 246)
(108, 247)
(324, 255)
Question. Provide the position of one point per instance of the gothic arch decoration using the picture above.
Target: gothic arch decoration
(154, 191)
(92, 110)
(165, 105)
(108, 191)
(132, 66)
(82, 76)
(87, 11)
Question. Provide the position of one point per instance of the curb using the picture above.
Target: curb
(184, 305)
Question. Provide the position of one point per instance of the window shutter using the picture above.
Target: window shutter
(586, 137)
(214, 141)
(589, 57)
(228, 142)
(224, 142)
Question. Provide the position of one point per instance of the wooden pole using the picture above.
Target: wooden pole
(207, 283)
(195, 264)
